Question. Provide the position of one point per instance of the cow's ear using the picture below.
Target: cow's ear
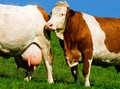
(70, 12)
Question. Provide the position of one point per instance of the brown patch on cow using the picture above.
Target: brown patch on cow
(78, 36)
(44, 13)
(111, 27)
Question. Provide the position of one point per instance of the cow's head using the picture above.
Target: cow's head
(58, 19)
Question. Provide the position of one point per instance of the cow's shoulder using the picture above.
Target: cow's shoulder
(76, 25)
(77, 31)
(75, 22)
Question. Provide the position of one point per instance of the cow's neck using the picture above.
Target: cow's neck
(60, 34)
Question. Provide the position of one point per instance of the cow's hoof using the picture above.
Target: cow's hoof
(27, 79)
(87, 85)
(50, 81)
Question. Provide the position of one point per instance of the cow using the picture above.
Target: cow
(22, 29)
(86, 38)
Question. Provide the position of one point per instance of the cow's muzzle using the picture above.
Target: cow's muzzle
(48, 26)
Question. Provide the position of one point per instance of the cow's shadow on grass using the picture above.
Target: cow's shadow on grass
(61, 81)
(7, 75)
(4, 75)
(36, 79)
(81, 83)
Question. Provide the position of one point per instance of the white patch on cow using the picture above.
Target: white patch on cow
(98, 36)
(101, 53)
(73, 64)
(74, 72)
(87, 82)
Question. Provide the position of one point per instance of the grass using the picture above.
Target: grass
(100, 78)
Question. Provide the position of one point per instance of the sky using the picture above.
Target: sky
(102, 8)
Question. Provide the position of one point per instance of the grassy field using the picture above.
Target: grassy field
(101, 78)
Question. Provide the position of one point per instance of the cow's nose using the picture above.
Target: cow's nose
(48, 26)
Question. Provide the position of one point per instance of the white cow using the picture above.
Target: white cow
(21, 27)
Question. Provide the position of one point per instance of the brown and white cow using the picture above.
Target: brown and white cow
(22, 30)
(86, 38)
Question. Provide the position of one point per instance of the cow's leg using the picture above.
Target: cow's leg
(29, 74)
(86, 71)
(86, 67)
(74, 71)
(48, 64)
(117, 67)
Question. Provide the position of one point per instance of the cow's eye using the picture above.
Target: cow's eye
(62, 14)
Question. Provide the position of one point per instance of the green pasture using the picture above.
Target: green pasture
(100, 78)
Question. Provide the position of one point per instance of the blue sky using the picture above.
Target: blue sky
(103, 8)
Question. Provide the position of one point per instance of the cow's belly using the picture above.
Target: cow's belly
(16, 42)
(106, 59)
(13, 48)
